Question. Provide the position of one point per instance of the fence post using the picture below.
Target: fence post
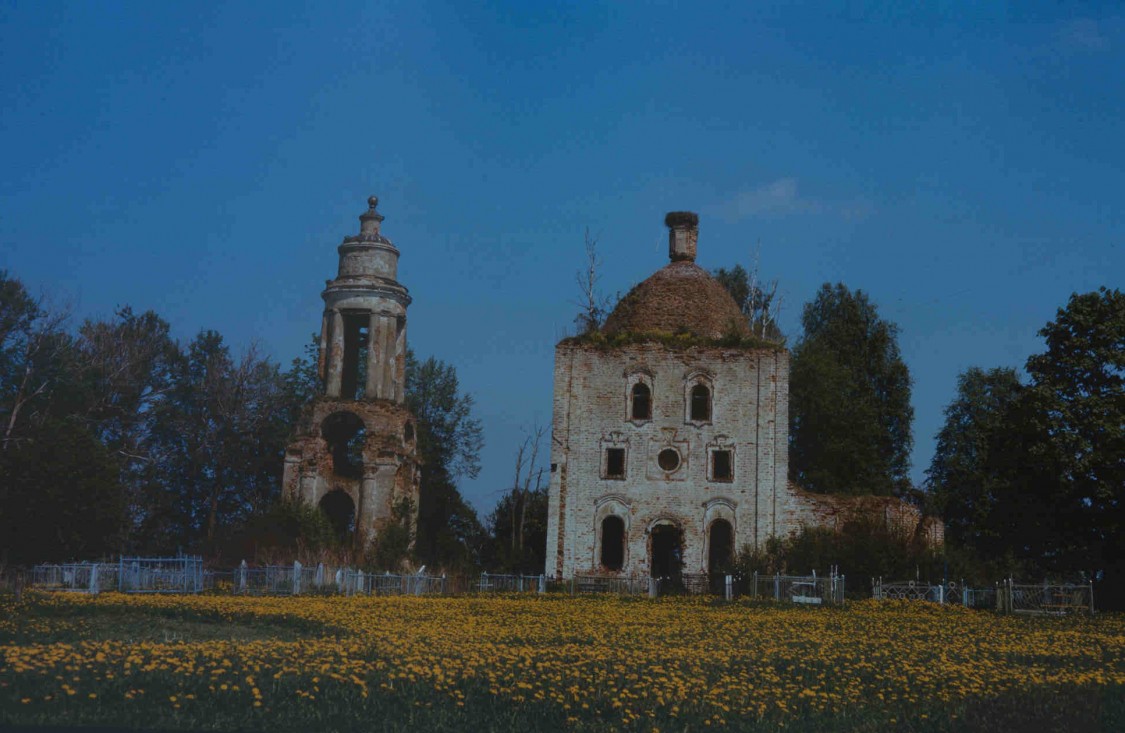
(296, 577)
(120, 571)
(240, 586)
(729, 588)
(542, 583)
(941, 595)
(652, 589)
(1091, 584)
(572, 584)
(319, 579)
(94, 579)
(754, 592)
(777, 586)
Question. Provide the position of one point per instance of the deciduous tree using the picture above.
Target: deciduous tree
(849, 398)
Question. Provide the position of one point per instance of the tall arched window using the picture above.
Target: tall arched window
(642, 402)
(700, 403)
(613, 543)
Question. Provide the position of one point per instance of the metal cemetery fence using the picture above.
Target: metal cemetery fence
(1006, 597)
(908, 590)
(490, 582)
(127, 575)
(160, 574)
(805, 589)
(623, 585)
(1047, 598)
(357, 582)
(82, 577)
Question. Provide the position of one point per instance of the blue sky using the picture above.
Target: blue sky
(961, 163)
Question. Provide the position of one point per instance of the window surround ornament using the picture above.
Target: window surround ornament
(698, 378)
(632, 379)
(720, 443)
(668, 440)
(616, 440)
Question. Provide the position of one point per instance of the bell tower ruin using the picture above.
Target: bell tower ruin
(355, 452)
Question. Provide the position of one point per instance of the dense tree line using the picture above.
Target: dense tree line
(1031, 474)
(1028, 474)
(116, 437)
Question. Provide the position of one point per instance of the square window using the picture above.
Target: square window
(615, 463)
(721, 468)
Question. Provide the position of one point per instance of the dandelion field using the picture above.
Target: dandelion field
(550, 663)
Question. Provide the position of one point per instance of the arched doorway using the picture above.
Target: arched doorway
(613, 543)
(666, 550)
(720, 546)
(340, 510)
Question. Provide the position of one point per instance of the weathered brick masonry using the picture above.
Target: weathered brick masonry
(355, 454)
(660, 429)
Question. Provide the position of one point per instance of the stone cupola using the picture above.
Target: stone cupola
(363, 332)
(681, 297)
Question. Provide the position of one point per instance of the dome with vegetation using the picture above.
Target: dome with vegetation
(679, 298)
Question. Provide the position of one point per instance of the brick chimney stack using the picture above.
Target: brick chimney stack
(683, 234)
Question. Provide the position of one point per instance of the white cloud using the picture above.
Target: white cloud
(778, 197)
(782, 197)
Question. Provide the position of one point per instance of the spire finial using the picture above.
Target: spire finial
(370, 219)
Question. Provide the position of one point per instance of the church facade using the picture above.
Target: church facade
(669, 447)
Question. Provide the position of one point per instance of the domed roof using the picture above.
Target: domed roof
(681, 297)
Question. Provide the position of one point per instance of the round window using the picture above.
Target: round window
(668, 459)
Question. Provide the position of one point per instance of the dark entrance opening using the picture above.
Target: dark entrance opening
(345, 434)
(340, 510)
(613, 543)
(720, 544)
(667, 548)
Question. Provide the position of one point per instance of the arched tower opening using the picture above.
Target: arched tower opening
(345, 434)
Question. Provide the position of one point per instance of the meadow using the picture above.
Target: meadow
(509, 663)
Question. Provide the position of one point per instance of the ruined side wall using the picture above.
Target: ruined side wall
(806, 509)
(749, 416)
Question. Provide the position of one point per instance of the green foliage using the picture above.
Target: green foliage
(862, 549)
(392, 545)
(967, 476)
(849, 399)
(1034, 473)
(290, 529)
(757, 304)
(449, 534)
(676, 341)
(511, 551)
(60, 497)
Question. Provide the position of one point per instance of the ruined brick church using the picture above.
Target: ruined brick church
(669, 446)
